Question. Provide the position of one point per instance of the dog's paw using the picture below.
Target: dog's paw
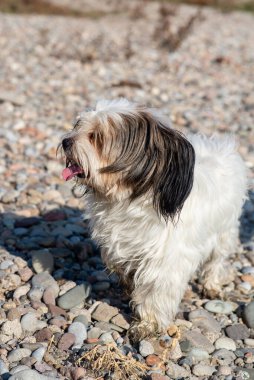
(140, 330)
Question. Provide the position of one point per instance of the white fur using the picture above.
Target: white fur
(164, 256)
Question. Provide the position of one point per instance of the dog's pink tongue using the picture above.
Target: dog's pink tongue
(71, 171)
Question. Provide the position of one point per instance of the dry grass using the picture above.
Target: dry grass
(44, 7)
(164, 34)
(108, 358)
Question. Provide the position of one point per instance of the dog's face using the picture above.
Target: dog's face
(122, 150)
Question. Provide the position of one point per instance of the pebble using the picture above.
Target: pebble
(83, 319)
(66, 341)
(106, 338)
(79, 331)
(30, 323)
(145, 348)
(120, 321)
(29, 374)
(12, 328)
(25, 274)
(49, 296)
(174, 371)
(44, 280)
(74, 296)
(204, 320)
(203, 370)
(223, 356)
(94, 333)
(39, 353)
(237, 332)
(218, 306)
(42, 261)
(43, 335)
(3, 367)
(226, 343)
(104, 312)
(21, 291)
(18, 354)
(6, 264)
(249, 342)
(248, 315)
(198, 355)
(199, 341)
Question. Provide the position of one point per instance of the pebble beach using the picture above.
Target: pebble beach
(62, 315)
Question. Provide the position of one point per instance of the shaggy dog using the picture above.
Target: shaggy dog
(161, 204)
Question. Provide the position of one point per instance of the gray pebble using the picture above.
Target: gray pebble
(6, 264)
(94, 333)
(101, 286)
(204, 320)
(226, 343)
(3, 367)
(203, 370)
(74, 296)
(198, 355)
(174, 371)
(18, 354)
(18, 368)
(42, 261)
(83, 319)
(30, 374)
(106, 338)
(223, 356)
(237, 332)
(79, 330)
(146, 348)
(45, 280)
(39, 353)
(218, 306)
(199, 341)
(30, 323)
(248, 315)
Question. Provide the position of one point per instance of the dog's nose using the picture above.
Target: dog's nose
(67, 143)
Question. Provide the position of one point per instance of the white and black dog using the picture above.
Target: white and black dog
(162, 204)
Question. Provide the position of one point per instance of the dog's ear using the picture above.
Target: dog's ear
(173, 179)
(153, 160)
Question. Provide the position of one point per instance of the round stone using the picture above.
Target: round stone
(203, 370)
(29, 374)
(248, 315)
(66, 341)
(106, 338)
(219, 307)
(30, 323)
(44, 280)
(226, 343)
(74, 296)
(79, 331)
(42, 261)
(145, 348)
(18, 354)
(39, 353)
(198, 354)
(237, 332)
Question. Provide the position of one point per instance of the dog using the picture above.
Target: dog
(162, 204)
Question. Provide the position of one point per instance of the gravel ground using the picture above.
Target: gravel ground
(60, 311)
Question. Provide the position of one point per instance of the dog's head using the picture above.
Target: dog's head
(122, 150)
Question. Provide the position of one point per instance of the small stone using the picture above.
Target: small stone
(21, 291)
(203, 370)
(119, 320)
(153, 360)
(6, 264)
(244, 287)
(198, 355)
(44, 335)
(145, 348)
(42, 261)
(224, 370)
(12, 328)
(30, 323)
(56, 311)
(199, 341)
(104, 312)
(28, 374)
(223, 356)
(45, 280)
(49, 296)
(101, 286)
(174, 371)
(66, 341)
(74, 296)
(83, 319)
(39, 354)
(237, 332)
(13, 314)
(106, 338)
(17, 354)
(35, 294)
(79, 331)
(248, 315)
(220, 307)
(94, 333)
(3, 367)
(25, 274)
(19, 368)
(226, 343)
(204, 320)
(249, 342)
(158, 376)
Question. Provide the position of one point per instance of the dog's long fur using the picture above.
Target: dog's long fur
(161, 204)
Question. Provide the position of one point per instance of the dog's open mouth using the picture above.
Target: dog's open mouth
(71, 171)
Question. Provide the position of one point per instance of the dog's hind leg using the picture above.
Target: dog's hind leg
(217, 271)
